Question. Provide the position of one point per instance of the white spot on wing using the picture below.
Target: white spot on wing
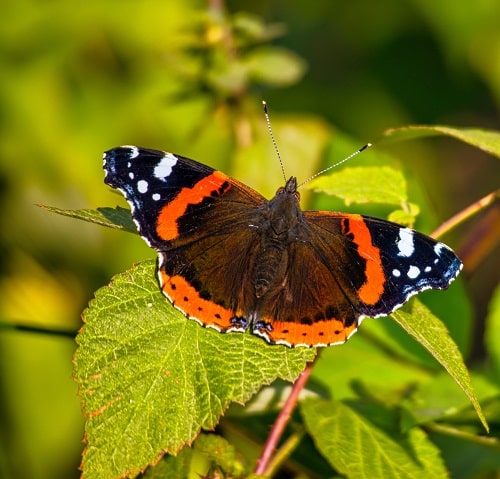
(142, 186)
(134, 152)
(405, 243)
(164, 168)
(413, 272)
(438, 247)
(131, 175)
(156, 197)
(396, 273)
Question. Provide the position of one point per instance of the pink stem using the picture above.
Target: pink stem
(282, 420)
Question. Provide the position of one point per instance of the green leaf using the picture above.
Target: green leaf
(253, 29)
(209, 453)
(439, 398)
(492, 334)
(362, 350)
(431, 333)
(359, 449)
(486, 140)
(275, 66)
(150, 379)
(172, 467)
(118, 218)
(364, 184)
(228, 78)
(220, 453)
(405, 216)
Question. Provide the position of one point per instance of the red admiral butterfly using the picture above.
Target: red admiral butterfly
(232, 260)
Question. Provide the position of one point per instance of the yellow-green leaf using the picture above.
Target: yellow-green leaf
(431, 333)
(364, 184)
(151, 379)
(405, 216)
(486, 140)
(492, 337)
(358, 449)
(118, 218)
(275, 66)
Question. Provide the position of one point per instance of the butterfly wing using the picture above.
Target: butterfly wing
(201, 222)
(352, 266)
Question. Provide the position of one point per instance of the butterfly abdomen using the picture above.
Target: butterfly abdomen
(270, 265)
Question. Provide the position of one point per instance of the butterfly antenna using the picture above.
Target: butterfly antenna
(276, 149)
(347, 158)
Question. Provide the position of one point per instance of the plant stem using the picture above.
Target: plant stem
(38, 329)
(283, 453)
(465, 214)
(282, 420)
(489, 442)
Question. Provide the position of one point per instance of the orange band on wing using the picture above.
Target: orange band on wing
(186, 298)
(373, 288)
(331, 331)
(166, 225)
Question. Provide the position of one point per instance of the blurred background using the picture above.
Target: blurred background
(79, 78)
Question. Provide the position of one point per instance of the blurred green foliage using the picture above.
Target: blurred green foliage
(77, 79)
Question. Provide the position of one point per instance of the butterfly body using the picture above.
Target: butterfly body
(232, 260)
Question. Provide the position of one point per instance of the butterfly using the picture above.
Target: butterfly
(232, 260)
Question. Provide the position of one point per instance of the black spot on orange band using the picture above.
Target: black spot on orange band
(186, 298)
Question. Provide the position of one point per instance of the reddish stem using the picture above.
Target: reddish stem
(465, 214)
(282, 420)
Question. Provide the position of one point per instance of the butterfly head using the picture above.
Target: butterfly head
(284, 209)
(289, 191)
(291, 186)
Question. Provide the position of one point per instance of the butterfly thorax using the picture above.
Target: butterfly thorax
(281, 224)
